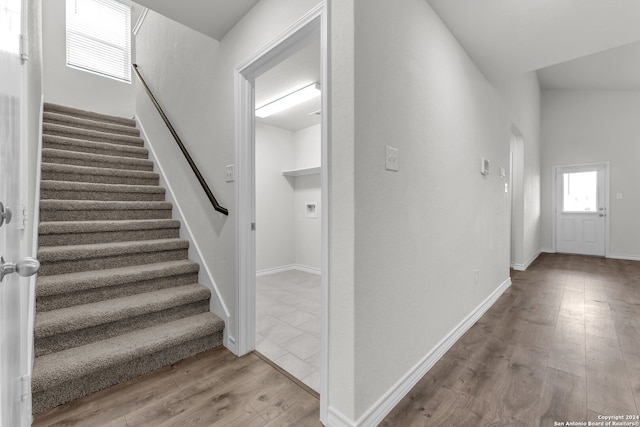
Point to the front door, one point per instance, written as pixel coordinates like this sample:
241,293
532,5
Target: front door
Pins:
14,290
581,209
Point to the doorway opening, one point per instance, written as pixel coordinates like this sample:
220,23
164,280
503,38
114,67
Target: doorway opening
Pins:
581,207
310,29
288,221
516,184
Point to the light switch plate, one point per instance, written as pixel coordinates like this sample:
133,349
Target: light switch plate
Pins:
229,173
484,167
391,159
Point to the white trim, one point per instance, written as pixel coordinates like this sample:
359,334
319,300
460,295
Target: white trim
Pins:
272,53
335,418
205,278
283,268
140,21
624,257
524,266
548,251
383,406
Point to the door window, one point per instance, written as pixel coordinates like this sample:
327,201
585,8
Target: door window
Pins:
580,192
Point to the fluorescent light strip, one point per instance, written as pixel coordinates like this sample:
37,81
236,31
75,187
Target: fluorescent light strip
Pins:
294,98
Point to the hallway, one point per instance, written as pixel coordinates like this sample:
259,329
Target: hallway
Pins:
562,344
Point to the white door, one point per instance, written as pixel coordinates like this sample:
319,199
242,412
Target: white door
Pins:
581,209
14,290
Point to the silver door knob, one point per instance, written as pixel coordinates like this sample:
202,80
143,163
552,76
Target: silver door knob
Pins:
5,214
601,215
25,267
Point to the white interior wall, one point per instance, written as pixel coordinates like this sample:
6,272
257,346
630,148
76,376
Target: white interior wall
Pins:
521,95
589,127
193,79
71,87
285,236
308,230
274,152
421,233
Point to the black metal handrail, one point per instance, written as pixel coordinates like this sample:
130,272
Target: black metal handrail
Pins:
194,168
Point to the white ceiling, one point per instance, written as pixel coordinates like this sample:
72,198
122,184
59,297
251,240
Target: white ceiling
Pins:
295,72
211,17
506,37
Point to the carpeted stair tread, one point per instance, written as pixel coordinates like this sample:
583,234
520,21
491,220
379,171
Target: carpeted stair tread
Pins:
100,250
53,155
90,135
74,282
95,191
59,172
76,227
92,210
87,123
84,316
116,295
61,109
57,368
71,144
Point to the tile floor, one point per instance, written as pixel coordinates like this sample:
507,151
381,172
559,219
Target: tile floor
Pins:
288,312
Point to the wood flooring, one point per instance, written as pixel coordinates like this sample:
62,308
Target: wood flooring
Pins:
561,345
215,388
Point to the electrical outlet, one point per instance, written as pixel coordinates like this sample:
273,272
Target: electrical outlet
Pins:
391,159
476,276
229,173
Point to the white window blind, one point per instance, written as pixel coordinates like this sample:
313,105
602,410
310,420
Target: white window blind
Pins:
99,37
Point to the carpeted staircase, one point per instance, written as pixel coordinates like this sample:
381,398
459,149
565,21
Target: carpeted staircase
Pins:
116,295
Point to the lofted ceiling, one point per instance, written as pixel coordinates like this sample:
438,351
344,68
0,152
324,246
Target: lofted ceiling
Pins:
575,43
213,18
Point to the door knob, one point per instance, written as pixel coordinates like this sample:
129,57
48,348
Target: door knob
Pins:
5,214
25,267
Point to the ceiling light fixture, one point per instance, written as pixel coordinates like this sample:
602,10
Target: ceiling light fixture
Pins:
294,98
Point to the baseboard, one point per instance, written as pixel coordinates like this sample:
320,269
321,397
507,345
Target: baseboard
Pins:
548,251
624,257
523,267
205,278
283,268
336,419
376,413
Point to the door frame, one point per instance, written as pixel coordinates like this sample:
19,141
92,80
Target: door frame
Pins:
288,42
554,201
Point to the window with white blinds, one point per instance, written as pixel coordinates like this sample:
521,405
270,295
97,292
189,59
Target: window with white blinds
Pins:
99,37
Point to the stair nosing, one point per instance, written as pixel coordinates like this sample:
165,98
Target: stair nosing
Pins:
68,319
54,185
90,170
77,112
50,139
59,367
57,117
83,155
54,254
58,284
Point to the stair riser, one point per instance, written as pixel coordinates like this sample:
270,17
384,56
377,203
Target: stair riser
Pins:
111,215
103,293
68,391
98,179
81,114
98,163
95,149
102,196
92,136
92,125
65,239
73,266
86,336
